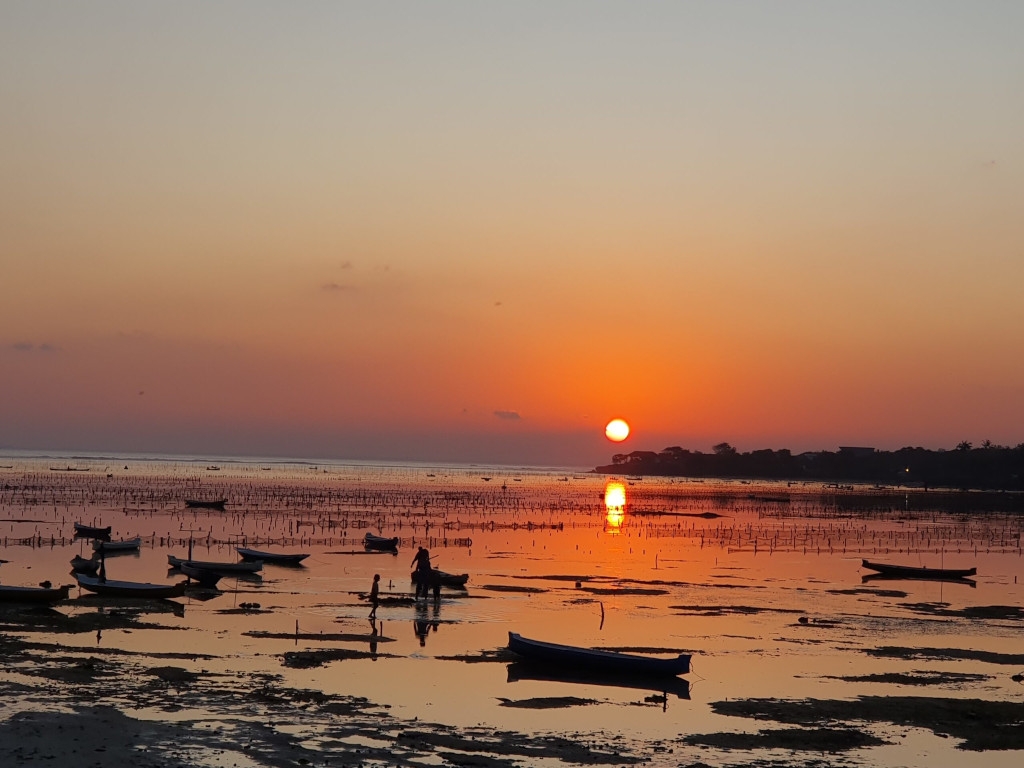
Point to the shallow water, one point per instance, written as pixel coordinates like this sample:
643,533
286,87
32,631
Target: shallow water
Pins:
765,591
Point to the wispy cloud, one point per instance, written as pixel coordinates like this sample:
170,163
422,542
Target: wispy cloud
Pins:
508,415
337,287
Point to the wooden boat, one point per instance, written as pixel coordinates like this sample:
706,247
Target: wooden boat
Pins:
912,572
129,588
245,566
81,564
202,576
869,578
570,657
217,504
276,558
457,581
33,594
370,541
125,545
665,684
91,532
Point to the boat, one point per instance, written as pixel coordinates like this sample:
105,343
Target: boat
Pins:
913,572
664,684
869,578
91,532
81,564
276,558
458,581
570,657
370,541
125,545
33,594
200,504
245,566
129,588
202,576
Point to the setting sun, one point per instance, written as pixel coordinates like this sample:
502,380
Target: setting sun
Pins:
617,430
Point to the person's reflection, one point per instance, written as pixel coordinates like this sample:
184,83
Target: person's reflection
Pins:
373,640
421,625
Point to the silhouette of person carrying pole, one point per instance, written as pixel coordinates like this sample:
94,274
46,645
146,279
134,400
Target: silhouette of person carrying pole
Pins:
423,571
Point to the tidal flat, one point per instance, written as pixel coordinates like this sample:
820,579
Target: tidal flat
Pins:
798,659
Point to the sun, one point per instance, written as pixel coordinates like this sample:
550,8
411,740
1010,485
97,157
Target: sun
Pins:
617,430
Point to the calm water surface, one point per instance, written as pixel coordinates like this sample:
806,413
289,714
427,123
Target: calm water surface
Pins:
761,583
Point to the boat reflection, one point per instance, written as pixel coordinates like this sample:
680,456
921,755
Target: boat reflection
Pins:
875,577
528,670
615,505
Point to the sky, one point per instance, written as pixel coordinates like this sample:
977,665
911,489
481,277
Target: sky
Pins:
475,232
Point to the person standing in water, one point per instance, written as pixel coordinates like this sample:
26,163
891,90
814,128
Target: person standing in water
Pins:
422,572
374,596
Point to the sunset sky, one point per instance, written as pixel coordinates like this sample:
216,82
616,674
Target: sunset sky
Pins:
465,231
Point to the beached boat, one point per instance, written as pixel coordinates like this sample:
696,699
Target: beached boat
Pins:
81,564
573,657
217,504
371,541
458,581
913,572
91,532
245,566
129,588
202,576
33,594
277,558
124,545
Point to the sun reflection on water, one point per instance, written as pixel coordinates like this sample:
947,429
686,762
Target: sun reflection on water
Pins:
615,505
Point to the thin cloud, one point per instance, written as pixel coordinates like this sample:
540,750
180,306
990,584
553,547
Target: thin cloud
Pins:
508,415
337,287
28,346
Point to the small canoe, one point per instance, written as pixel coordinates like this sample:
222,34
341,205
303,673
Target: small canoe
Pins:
912,572
457,581
129,588
574,657
370,541
664,684
124,545
202,576
81,564
33,594
246,566
217,504
91,532
277,558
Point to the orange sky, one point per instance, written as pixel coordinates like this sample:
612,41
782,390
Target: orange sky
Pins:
461,232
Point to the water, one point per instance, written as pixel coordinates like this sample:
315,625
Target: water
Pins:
760,582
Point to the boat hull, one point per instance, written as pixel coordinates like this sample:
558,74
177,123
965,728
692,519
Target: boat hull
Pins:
129,588
456,581
277,558
380,543
33,594
246,566
129,545
91,532
217,504
571,657
911,572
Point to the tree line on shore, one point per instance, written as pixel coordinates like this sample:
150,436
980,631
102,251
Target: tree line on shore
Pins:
988,467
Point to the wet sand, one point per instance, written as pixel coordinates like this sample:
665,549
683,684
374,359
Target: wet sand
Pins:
283,670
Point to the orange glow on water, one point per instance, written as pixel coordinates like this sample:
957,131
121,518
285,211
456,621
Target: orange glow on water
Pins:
615,504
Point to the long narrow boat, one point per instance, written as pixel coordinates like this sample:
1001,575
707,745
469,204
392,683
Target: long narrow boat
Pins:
33,594
217,504
455,580
202,576
380,543
277,558
912,572
91,532
245,566
129,588
573,657
125,545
